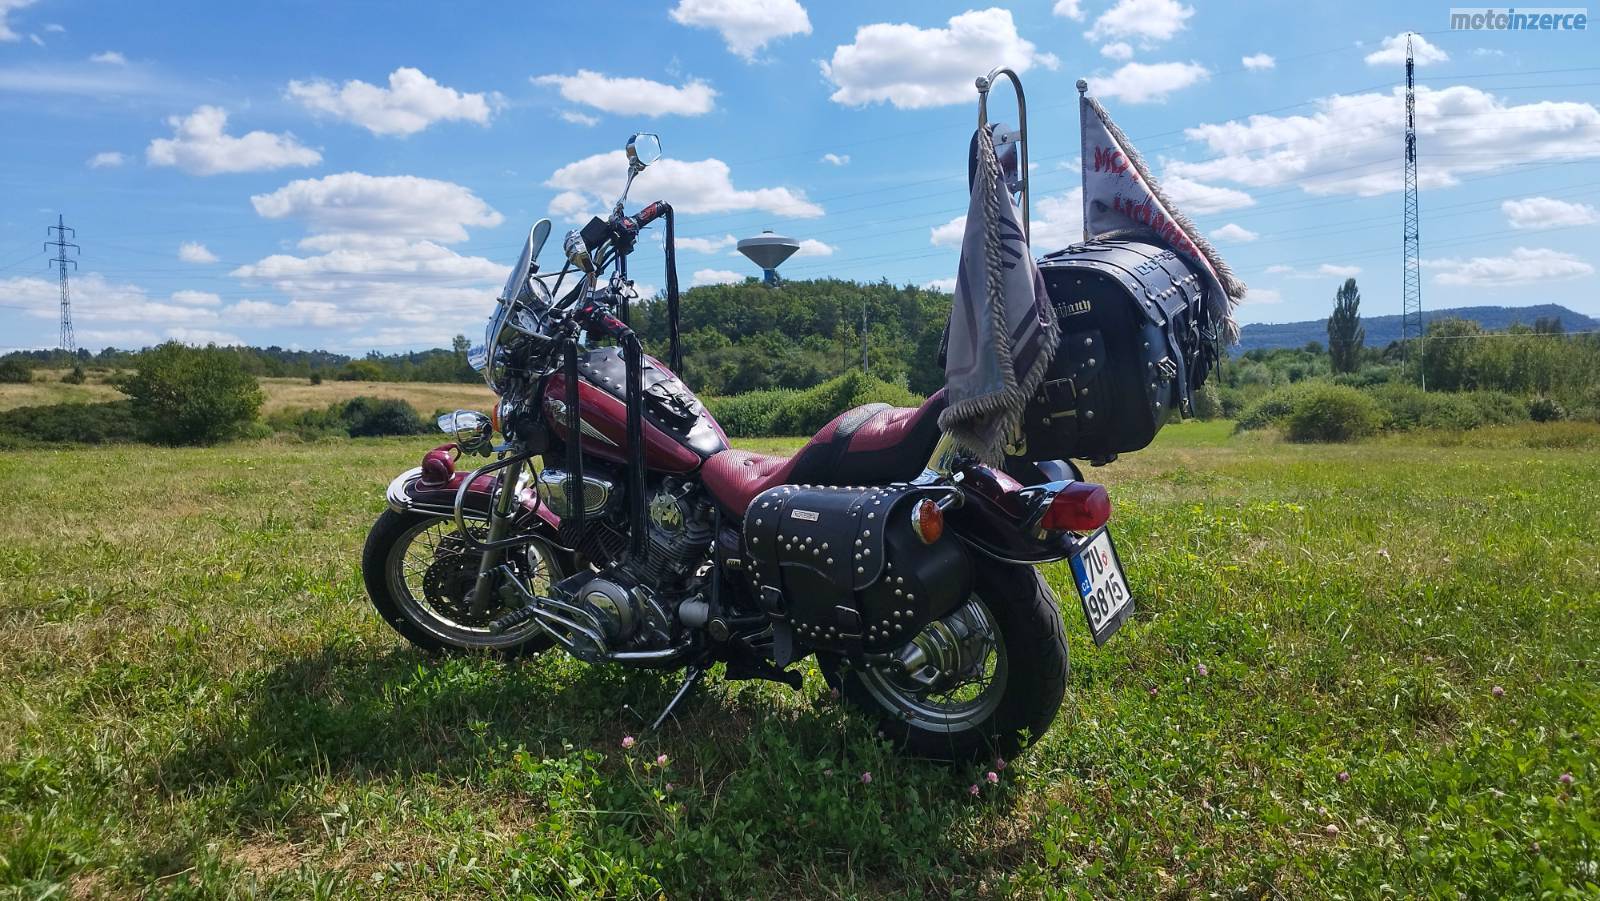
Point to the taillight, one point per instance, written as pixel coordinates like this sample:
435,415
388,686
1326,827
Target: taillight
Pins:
1079,507
927,520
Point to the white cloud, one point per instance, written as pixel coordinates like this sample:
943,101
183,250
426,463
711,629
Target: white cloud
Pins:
390,205
1547,212
948,234
1393,52
97,301
109,58
1068,9
196,298
707,245
811,247
1262,296
1326,270
106,159
1347,144
1524,266
701,186
1148,82
915,68
195,252
947,285
203,336
577,118
633,96
201,146
1236,234
1117,50
746,26
1257,62
836,159
412,102
55,28
319,314
1057,222
1199,199
715,277
1338,271
6,8
1150,21
1487,51
1279,269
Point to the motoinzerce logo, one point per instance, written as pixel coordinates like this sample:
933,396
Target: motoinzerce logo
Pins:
1513,19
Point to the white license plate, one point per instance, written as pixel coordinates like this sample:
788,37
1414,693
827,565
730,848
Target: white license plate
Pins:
1101,586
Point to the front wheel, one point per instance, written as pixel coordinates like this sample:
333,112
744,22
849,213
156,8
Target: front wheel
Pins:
991,675
419,573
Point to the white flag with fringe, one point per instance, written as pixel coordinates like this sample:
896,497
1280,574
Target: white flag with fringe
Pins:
1121,199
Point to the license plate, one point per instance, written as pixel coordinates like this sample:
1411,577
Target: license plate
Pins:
1101,586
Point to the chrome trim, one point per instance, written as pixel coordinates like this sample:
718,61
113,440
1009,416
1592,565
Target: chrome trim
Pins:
551,486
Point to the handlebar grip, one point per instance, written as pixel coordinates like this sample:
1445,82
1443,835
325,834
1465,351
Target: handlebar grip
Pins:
651,213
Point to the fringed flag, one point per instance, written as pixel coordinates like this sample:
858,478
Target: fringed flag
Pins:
1003,331
1121,199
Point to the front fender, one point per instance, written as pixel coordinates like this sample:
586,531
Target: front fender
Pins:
431,489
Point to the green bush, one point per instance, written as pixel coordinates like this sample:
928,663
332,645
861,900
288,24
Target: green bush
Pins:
361,371
15,372
759,414
359,417
368,417
1545,409
101,423
190,395
1272,408
1332,413
316,378
1498,407
1208,403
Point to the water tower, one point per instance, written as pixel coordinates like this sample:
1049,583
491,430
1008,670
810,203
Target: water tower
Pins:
768,251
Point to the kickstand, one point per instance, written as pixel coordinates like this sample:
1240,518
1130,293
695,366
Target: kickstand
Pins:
690,678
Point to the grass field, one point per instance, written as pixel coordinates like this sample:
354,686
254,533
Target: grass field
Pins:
47,388
196,700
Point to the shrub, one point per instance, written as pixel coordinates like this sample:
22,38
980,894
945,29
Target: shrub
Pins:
359,417
1451,411
189,395
361,371
1545,409
1498,407
1332,413
1208,403
100,423
75,376
758,414
316,378
15,372
368,417
1272,408
1232,401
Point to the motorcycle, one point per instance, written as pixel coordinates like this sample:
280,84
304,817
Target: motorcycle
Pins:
616,523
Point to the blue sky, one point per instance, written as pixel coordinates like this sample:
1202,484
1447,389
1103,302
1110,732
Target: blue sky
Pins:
358,176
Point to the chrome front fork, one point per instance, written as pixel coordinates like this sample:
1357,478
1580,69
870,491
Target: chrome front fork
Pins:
500,517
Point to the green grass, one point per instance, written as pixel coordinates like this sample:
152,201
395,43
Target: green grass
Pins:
196,700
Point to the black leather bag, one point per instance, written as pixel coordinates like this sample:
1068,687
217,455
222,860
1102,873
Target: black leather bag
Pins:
1136,341
844,569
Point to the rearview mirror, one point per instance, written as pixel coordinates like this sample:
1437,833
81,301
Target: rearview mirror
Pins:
644,148
473,432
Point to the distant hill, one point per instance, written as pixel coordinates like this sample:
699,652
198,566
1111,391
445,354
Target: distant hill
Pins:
1383,329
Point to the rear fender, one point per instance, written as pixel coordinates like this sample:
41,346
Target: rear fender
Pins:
997,512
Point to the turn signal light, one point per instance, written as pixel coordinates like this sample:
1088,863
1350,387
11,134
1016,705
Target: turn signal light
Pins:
1079,507
927,520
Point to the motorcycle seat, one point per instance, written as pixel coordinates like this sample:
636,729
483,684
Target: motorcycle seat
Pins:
869,445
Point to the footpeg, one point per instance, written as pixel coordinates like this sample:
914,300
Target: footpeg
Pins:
509,621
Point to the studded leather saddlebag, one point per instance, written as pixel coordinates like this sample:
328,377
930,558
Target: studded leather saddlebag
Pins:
1136,341
844,568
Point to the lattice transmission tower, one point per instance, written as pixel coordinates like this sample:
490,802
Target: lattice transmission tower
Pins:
1411,327
60,261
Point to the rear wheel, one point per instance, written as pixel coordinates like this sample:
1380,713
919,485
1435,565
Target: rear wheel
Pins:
419,573
985,677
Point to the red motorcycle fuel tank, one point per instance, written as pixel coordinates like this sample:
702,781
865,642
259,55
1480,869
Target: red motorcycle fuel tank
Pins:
679,433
